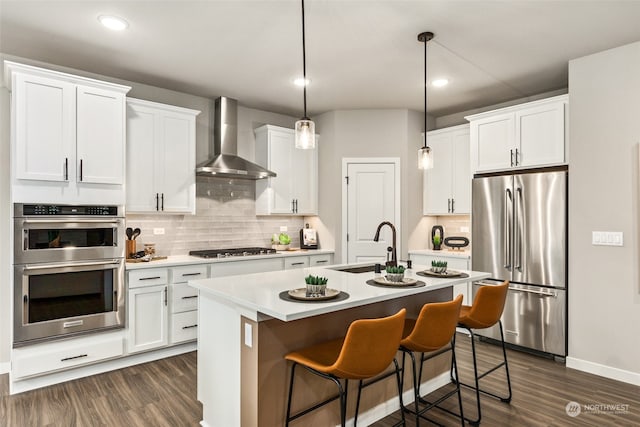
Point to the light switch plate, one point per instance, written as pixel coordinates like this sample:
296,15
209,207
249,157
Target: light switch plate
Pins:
248,338
607,238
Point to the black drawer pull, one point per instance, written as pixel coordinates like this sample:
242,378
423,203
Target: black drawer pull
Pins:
297,263
321,261
191,274
190,326
73,357
191,296
149,278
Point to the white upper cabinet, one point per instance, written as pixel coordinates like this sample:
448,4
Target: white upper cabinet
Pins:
523,136
294,191
68,136
447,186
161,155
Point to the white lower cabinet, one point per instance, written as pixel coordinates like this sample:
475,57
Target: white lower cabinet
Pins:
55,356
148,318
184,326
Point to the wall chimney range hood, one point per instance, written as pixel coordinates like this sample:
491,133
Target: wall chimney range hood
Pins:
225,162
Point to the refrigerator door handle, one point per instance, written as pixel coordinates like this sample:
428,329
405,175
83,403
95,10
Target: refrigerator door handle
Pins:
529,291
508,227
517,229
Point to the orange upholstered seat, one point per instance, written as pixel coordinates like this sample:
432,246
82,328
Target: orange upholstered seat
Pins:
485,312
433,330
368,348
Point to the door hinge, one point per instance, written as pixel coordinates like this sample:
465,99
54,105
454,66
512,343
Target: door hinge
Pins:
347,178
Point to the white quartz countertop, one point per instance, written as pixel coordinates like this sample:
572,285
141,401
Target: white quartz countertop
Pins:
259,292
178,260
451,253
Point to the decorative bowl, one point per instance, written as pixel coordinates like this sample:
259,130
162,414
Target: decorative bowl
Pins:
395,277
279,247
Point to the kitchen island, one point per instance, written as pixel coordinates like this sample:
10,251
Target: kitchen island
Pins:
245,329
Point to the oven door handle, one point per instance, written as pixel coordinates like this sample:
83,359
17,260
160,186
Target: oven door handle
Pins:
74,264
74,220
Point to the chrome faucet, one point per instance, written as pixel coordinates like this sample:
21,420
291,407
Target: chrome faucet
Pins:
394,257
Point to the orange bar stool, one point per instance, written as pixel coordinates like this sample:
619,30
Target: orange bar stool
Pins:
485,312
431,334
365,352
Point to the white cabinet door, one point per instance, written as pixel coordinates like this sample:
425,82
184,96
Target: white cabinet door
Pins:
160,158
437,181
141,138
447,186
44,128
100,136
492,143
461,176
294,191
540,135
148,318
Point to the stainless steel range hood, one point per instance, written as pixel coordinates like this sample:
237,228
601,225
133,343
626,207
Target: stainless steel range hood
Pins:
225,162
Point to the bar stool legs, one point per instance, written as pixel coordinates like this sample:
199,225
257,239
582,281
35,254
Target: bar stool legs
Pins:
477,377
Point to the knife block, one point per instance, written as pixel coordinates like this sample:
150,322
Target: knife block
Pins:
130,248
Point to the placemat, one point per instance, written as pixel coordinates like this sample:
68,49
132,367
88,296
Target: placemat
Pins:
427,273
418,284
284,295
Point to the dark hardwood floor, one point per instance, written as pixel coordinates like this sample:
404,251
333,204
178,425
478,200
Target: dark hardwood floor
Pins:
163,393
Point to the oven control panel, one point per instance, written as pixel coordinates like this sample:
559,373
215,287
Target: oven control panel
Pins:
69,210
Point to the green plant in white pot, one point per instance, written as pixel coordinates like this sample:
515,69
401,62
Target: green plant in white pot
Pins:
395,274
316,285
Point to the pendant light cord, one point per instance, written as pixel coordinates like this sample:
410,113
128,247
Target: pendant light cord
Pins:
425,92
304,67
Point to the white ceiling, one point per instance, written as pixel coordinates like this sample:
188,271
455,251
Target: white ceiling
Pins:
360,53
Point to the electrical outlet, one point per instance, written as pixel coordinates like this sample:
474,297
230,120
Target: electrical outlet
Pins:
158,231
283,228
248,338
464,229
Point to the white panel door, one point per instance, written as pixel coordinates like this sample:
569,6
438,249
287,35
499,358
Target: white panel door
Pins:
100,136
178,168
148,318
437,180
45,128
371,199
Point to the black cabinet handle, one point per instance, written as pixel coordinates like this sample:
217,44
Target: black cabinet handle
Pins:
297,263
73,357
66,169
157,202
149,278
80,169
453,208
190,274
321,261
190,326
165,295
191,296
162,197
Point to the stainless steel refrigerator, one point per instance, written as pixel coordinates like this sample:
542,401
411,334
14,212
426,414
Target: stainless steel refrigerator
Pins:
519,233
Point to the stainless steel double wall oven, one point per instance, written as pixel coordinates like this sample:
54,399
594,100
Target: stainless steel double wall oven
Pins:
68,271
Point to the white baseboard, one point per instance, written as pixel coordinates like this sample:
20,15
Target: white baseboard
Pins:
5,367
98,368
392,405
603,370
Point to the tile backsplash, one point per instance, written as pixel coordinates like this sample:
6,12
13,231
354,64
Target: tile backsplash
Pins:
454,225
225,218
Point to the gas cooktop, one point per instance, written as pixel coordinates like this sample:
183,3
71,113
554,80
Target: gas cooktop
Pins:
231,252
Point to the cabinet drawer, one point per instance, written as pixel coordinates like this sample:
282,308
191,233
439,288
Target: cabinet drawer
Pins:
148,277
183,298
188,272
319,260
296,262
245,267
45,358
184,326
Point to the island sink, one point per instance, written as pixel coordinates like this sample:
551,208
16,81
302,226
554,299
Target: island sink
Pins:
356,268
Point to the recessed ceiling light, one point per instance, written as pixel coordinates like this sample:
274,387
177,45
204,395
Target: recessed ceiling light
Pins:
301,82
440,82
113,22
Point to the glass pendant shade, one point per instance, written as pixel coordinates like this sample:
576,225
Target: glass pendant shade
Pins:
425,158
305,134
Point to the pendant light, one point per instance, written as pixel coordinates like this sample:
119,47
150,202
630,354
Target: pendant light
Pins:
305,129
425,155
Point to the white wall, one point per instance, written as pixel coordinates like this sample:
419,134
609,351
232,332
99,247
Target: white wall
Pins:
604,291
367,133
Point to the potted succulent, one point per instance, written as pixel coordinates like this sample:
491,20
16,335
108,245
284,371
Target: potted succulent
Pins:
395,274
439,267
316,285
280,242
436,242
